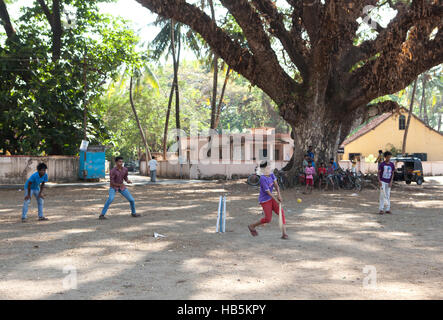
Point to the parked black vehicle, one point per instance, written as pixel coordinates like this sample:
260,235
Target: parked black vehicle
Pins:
132,166
408,169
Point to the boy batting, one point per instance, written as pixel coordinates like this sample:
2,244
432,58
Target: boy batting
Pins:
268,202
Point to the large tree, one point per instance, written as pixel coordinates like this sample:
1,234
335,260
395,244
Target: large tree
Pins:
335,77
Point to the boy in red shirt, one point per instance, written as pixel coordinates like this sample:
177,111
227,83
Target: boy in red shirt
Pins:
321,174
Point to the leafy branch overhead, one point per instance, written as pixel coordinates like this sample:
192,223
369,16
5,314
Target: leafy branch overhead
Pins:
335,75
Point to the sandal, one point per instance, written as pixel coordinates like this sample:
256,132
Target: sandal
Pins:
285,237
388,212
380,212
253,231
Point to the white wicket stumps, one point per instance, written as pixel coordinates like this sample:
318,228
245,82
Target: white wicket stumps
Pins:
221,216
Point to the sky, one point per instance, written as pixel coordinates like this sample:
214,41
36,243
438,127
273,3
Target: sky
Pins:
128,9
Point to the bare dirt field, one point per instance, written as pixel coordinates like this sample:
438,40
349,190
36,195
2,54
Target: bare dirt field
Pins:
334,239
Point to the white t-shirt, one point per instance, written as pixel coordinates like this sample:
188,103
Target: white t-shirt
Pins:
152,164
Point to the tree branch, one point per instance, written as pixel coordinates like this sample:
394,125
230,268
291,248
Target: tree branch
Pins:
56,30
252,27
406,54
396,31
237,57
6,21
278,29
47,12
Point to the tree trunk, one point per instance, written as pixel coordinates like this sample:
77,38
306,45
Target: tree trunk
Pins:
56,31
168,112
175,66
222,94
214,92
142,134
423,99
439,122
174,89
403,148
4,16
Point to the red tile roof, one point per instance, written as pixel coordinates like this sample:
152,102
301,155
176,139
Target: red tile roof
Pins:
371,125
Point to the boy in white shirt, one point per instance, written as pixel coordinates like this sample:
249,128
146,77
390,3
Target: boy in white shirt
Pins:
153,169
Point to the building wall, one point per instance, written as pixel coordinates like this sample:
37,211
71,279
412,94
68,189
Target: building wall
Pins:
430,168
17,169
420,140
167,169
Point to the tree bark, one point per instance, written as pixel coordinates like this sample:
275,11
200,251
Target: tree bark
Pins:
423,99
405,136
4,16
214,91
215,74
439,122
142,133
168,112
54,19
222,94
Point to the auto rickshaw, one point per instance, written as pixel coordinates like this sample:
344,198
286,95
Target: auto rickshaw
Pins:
408,169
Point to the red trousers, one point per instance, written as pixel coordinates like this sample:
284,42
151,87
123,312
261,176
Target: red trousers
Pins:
268,207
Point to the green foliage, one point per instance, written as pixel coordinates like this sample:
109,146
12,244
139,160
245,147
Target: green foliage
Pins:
41,100
243,107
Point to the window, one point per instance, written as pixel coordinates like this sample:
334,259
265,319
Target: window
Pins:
402,123
277,155
263,155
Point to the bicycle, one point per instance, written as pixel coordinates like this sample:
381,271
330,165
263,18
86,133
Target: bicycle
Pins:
254,179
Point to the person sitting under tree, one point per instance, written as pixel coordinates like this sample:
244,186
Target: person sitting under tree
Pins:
321,174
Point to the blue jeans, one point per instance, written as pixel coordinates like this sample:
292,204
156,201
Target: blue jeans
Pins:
153,175
40,202
125,193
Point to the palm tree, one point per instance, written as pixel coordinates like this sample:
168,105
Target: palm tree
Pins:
169,40
142,74
403,148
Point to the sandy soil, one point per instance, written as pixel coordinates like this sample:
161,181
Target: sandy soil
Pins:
333,237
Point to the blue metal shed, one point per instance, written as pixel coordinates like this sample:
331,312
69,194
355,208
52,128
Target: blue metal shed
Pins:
92,163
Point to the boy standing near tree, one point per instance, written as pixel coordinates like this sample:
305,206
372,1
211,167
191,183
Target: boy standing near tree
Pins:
34,187
385,177
153,169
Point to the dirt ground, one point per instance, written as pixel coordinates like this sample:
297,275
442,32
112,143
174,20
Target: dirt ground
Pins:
337,241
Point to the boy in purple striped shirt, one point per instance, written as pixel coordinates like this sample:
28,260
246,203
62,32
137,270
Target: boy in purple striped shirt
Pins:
268,202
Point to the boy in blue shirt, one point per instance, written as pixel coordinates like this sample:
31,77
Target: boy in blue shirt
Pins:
34,186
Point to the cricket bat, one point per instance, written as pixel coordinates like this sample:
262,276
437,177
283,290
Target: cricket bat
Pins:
280,217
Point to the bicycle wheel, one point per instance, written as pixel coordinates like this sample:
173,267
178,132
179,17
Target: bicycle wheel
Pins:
358,184
281,183
254,180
